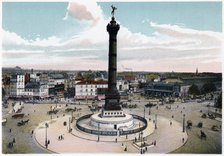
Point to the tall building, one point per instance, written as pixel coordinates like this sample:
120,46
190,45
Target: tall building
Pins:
17,85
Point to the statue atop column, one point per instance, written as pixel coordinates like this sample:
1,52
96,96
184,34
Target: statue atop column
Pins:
113,9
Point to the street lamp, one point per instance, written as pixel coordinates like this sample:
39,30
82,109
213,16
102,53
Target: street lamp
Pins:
141,138
144,112
51,112
98,132
139,132
183,123
72,115
69,126
155,121
46,143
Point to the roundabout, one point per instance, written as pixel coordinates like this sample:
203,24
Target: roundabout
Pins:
168,138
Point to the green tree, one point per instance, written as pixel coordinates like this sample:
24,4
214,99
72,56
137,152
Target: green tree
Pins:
208,88
152,77
194,90
3,93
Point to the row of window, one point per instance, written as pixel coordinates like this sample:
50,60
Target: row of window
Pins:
86,94
92,86
87,90
113,113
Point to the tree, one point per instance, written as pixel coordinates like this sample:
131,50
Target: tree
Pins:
194,90
218,102
3,93
208,88
152,77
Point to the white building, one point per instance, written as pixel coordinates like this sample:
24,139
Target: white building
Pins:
122,85
17,85
184,90
36,90
88,90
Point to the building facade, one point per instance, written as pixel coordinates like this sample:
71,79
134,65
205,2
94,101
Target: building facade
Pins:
88,89
162,90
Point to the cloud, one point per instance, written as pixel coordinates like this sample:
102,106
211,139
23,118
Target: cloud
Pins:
84,10
169,47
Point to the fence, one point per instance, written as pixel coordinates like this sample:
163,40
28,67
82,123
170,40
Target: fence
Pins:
111,133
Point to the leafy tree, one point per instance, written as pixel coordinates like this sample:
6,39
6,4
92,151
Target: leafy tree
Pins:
79,75
3,92
152,77
194,90
89,76
208,88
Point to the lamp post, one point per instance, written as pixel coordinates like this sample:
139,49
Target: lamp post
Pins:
141,138
183,123
46,143
144,112
98,132
155,121
139,132
51,112
86,92
69,126
72,116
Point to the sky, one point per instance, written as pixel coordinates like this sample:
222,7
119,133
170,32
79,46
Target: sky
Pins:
153,36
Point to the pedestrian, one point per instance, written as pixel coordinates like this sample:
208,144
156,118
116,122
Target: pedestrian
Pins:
183,140
170,123
122,144
32,132
116,140
14,140
172,116
146,148
59,137
125,149
135,139
141,151
48,142
155,143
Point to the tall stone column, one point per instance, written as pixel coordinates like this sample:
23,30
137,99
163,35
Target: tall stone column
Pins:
112,95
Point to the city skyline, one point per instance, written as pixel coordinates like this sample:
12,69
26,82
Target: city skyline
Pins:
72,36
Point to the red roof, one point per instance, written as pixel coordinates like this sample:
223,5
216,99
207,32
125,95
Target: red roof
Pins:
129,78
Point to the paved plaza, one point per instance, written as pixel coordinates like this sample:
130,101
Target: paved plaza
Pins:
169,138
73,142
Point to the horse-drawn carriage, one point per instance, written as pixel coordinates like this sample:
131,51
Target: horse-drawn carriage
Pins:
21,123
203,135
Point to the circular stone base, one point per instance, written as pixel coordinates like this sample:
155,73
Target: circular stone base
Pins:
111,122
